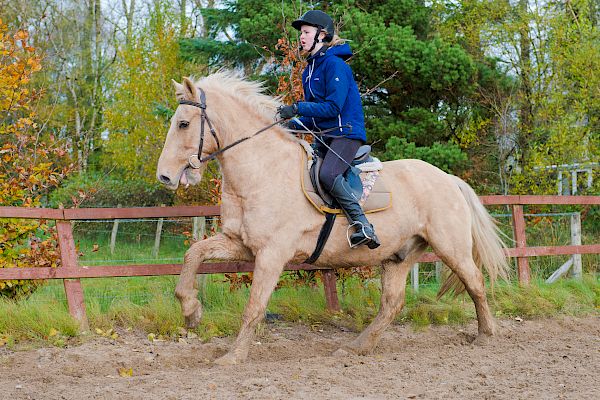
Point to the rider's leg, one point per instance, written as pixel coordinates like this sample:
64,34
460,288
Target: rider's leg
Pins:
332,178
332,166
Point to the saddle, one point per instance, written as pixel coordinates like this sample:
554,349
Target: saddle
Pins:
374,195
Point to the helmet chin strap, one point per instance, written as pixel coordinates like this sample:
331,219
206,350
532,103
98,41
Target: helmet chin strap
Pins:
316,39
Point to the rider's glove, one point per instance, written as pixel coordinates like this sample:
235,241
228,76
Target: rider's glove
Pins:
288,111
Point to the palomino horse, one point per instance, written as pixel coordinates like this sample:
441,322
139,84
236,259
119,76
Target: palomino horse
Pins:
267,219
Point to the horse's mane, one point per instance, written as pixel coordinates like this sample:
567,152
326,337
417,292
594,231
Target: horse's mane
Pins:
248,92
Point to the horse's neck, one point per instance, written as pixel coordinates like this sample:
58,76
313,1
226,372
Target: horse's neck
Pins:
260,165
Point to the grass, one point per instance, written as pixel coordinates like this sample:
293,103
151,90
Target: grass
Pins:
147,304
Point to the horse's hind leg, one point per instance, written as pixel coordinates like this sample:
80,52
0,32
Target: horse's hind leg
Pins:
220,247
393,285
457,255
472,278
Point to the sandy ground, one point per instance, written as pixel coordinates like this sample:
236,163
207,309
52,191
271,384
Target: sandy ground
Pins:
541,359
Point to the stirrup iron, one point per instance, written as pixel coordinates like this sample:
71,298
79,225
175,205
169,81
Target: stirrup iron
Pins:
366,239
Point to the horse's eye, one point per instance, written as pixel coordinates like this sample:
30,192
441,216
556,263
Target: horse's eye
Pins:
183,124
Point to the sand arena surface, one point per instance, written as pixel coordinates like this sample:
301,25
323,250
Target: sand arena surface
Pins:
540,359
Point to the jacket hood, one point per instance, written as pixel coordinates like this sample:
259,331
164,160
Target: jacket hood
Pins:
342,51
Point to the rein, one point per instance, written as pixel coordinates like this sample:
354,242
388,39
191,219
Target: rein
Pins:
204,117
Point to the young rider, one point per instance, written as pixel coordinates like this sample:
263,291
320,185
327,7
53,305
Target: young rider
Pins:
332,100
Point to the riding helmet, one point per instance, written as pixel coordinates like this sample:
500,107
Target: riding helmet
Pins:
318,19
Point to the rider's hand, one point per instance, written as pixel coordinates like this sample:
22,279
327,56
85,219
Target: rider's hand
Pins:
288,111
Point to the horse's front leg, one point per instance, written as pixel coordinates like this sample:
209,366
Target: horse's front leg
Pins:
221,247
269,264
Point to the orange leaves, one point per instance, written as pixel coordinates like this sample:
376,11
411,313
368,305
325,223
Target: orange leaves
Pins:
290,86
215,191
236,281
28,167
21,35
17,62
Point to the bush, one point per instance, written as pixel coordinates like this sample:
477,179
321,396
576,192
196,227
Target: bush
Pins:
29,166
447,157
94,189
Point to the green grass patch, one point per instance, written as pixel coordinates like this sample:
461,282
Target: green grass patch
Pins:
148,304
423,309
568,297
36,323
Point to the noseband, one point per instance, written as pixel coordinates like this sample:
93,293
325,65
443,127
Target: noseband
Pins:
203,118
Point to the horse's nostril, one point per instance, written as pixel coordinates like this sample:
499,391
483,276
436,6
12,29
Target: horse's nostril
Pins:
164,179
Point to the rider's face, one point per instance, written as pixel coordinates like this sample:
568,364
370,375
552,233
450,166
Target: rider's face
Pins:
307,36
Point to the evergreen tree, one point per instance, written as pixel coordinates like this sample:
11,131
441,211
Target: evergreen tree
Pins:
415,85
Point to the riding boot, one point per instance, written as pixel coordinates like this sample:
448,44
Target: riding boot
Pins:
365,233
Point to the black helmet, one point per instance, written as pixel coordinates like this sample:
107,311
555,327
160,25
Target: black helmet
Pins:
318,19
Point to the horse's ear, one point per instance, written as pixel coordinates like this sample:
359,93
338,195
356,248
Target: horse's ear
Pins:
190,90
179,92
178,86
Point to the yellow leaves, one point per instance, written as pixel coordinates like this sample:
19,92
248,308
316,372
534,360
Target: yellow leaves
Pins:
155,338
4,340
21,35
56,338
125,372
109,333
17,63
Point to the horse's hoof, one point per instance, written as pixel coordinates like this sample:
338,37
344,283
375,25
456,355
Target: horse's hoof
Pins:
227,359
192,320
482,340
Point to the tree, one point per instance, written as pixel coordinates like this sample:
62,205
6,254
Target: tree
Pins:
544,110
29,168
413,84
77,44
136,116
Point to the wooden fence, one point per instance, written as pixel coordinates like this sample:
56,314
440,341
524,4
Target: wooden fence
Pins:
71,271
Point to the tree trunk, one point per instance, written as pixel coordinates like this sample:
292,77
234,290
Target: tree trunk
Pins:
526,107
183,18
129,12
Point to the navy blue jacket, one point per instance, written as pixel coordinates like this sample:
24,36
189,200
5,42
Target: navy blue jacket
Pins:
331,97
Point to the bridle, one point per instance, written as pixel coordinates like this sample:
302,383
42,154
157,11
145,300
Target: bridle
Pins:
204,118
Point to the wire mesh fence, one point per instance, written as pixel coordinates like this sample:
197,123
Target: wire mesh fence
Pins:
165,240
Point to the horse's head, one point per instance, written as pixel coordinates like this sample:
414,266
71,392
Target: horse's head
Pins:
178,162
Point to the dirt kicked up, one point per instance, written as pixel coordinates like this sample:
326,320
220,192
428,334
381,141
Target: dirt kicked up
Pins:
540,359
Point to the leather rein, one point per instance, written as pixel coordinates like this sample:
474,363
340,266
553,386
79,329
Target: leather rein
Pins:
204,118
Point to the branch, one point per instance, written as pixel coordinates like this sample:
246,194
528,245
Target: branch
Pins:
369,91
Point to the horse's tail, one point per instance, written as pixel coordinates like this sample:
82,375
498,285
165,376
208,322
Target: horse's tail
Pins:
488,247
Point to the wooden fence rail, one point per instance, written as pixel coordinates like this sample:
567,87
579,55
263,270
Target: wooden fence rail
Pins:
71,271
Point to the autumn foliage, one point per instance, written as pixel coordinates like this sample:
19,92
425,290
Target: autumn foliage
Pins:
29,164
290,85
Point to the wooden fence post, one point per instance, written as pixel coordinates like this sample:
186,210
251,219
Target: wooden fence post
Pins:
159,226
113,234
331,297
519,230
68,258
414,277
438,271
198,231
576,240
215,224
